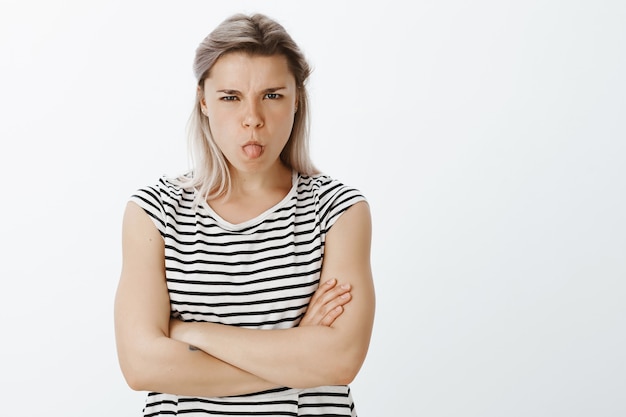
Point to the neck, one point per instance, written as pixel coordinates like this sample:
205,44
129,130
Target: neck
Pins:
251,183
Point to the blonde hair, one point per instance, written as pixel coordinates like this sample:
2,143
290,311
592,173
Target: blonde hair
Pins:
256,35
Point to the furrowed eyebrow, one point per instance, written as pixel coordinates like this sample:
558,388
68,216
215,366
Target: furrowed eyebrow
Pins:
229,92
273,89
236,92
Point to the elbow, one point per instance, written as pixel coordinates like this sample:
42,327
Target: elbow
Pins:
133,376
347,358
351,361
342,370
140,364
135,383
136,368
346,373
332,374
346,367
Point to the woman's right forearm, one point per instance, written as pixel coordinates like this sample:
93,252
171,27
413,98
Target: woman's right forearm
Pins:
168,366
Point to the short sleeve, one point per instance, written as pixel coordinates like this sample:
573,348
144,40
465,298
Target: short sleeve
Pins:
335,199
151,200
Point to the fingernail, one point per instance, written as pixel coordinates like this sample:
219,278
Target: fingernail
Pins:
346,286
330,281
346,295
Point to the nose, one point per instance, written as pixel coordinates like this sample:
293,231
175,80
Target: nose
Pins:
253,116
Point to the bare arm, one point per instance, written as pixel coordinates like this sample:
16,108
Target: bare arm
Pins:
149,359
307,356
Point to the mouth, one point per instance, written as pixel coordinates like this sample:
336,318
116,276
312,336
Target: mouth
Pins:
253,149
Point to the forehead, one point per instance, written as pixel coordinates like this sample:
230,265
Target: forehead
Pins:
244,68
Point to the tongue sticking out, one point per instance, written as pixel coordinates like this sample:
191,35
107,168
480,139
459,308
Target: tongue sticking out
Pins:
253,151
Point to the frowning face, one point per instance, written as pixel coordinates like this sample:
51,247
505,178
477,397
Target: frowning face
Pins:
250,101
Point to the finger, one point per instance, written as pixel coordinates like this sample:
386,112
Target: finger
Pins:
328,296
322,289
336,297
332,315
332,310
339,301
331,295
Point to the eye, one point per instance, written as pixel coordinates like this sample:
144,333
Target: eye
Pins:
273,96
228,98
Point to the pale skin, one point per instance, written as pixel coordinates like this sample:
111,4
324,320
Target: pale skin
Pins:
250,102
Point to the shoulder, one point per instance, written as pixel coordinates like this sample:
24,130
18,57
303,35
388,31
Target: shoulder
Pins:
326,187
332,196
163,200
165,191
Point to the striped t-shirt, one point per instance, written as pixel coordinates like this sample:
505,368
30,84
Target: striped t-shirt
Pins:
258,274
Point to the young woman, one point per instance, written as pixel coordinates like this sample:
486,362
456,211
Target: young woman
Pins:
246,285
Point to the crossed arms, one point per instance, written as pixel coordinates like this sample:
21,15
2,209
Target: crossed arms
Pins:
327,348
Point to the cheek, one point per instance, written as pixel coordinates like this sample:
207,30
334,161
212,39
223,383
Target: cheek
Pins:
289,123
284,118
220,137
220,122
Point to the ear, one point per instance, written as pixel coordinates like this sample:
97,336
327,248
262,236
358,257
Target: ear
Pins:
200,96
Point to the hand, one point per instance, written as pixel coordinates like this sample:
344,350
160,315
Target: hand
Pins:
326,304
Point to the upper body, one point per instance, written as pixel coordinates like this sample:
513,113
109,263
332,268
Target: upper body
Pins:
249,134
259,274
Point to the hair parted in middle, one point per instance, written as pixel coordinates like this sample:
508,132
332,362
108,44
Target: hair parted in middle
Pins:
256,34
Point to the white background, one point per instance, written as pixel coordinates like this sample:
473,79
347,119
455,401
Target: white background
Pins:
488,136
